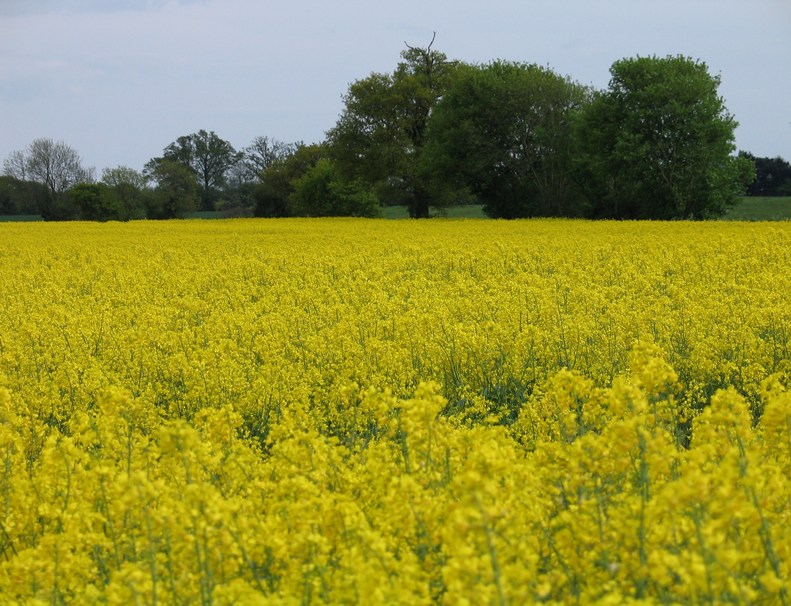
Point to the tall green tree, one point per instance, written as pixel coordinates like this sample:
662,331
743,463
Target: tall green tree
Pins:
176,191
659,143
381,133
504,130
208,156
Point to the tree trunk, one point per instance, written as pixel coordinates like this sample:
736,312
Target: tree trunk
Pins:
419,205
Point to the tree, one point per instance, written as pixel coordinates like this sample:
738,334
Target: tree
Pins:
55,165
176,191
207,156
381,133
123,175
19,197
273,195
658,143
129,187
263,152
772,176
321,192
244,177
505,131
96,201
16,165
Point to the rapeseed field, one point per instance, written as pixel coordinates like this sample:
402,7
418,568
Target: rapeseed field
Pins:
352,411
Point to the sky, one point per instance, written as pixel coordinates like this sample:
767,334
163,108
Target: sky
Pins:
118,80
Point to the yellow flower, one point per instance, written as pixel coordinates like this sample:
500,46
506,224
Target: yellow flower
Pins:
350,411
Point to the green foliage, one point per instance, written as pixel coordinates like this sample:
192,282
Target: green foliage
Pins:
95,201
658,143
321,192
57,167
517,139
58,206
238,199
123,175
20,218
773,176
129,187
18,197
504,131
273,195
380,136
208,157
176,191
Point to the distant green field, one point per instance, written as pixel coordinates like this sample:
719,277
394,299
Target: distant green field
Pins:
20,218
468,211
761,209
203,214
748,209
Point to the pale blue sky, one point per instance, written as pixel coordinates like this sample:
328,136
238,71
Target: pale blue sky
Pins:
119,80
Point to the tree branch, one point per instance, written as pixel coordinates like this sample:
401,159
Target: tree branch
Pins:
420,50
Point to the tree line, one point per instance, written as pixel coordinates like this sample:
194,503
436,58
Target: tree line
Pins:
518,138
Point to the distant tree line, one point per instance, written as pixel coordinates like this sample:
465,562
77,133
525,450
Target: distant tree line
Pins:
518,138
772,176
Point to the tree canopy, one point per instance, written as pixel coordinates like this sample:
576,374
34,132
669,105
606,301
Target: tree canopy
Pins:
658,143
321,192
381,132
504,131
95,201
20,197
273,195
176,192
55,165
208,156
524,141
129,188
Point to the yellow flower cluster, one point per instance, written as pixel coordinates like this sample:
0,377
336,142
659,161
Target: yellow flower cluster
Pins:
351,411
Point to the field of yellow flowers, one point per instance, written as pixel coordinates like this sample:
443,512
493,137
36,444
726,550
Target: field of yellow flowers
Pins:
352,411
